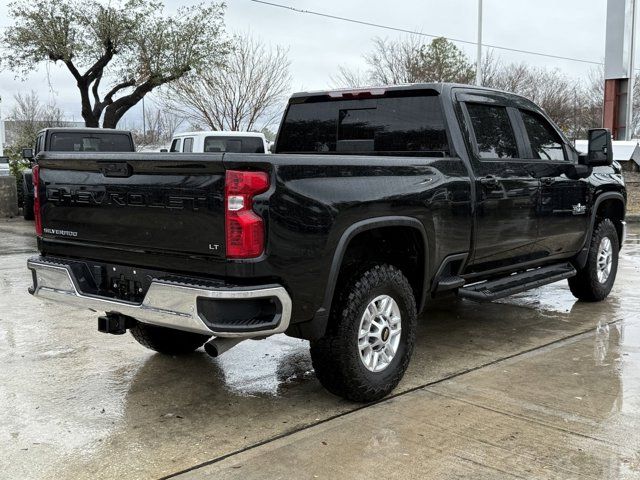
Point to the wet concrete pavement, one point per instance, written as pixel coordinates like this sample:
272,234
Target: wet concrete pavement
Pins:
536,386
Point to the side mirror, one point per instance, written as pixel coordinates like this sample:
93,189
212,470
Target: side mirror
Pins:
27,153
600,149
164,150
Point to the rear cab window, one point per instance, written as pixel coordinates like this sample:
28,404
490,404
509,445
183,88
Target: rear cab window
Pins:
187,146
233,144
89,142
391,125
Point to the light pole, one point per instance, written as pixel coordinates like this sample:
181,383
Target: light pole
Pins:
628,130
1,131
479,53
144,123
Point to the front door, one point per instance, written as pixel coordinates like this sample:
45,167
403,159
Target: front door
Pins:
563,212
506,223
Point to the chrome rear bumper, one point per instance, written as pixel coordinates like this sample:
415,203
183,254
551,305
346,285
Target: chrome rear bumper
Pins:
167,304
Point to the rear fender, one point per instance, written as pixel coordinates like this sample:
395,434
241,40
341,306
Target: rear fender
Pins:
321,317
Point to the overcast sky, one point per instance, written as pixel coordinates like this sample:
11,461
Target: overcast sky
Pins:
317,45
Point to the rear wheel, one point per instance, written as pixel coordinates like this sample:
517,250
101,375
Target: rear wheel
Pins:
167,340
370,338
595,281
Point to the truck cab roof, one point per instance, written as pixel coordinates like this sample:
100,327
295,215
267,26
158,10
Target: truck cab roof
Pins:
380,90
83,130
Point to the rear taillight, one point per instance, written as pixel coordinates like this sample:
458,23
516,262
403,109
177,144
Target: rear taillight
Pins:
36,200
244,229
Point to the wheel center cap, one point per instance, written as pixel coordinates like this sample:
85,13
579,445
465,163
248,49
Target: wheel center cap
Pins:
385,334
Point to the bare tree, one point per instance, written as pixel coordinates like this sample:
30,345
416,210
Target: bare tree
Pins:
159,127
409,60
247,93
350,78
28,116
490,68
131,44
394,61
556,93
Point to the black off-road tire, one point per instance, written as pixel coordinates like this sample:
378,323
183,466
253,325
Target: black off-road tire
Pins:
585,285
167,340
336,356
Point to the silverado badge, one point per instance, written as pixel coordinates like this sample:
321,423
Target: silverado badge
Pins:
579,209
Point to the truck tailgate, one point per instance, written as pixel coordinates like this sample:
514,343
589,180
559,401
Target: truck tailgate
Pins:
146,202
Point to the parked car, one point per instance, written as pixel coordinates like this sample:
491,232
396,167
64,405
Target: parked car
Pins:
61,139
375,202
219,141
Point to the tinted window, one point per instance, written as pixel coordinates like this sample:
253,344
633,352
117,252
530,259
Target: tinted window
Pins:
545,141
493,131
188,145
398,125
89,142
175,145
234,144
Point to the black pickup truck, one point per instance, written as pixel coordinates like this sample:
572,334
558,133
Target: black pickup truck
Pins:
69,139
375,202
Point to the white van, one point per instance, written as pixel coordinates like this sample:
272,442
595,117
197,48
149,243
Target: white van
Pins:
219,141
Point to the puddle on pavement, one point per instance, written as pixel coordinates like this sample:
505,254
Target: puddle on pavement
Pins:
264,367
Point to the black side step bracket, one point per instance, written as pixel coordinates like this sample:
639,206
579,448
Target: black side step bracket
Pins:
517,282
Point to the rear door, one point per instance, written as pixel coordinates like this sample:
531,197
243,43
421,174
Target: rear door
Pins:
563,202
506,224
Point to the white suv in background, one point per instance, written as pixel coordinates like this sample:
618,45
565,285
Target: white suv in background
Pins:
219,141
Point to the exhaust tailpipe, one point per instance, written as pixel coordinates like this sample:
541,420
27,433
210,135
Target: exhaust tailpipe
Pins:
217,346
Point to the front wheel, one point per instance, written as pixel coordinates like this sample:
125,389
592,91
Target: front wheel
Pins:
595,280
370,336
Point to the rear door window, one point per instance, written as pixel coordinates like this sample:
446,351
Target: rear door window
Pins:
493,131
408,125
89,142
234,144
187,146
545,142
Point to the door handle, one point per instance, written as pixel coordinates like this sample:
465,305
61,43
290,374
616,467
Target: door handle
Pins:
547,180
490,181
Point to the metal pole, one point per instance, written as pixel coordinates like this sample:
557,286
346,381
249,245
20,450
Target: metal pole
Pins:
144,122
479,53
1,130
628,130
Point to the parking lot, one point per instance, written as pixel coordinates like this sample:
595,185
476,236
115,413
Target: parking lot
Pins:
535,386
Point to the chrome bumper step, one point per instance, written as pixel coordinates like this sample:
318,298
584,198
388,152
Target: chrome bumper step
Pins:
166,303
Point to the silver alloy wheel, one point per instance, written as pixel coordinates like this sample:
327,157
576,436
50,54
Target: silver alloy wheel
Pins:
379,333
605,259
